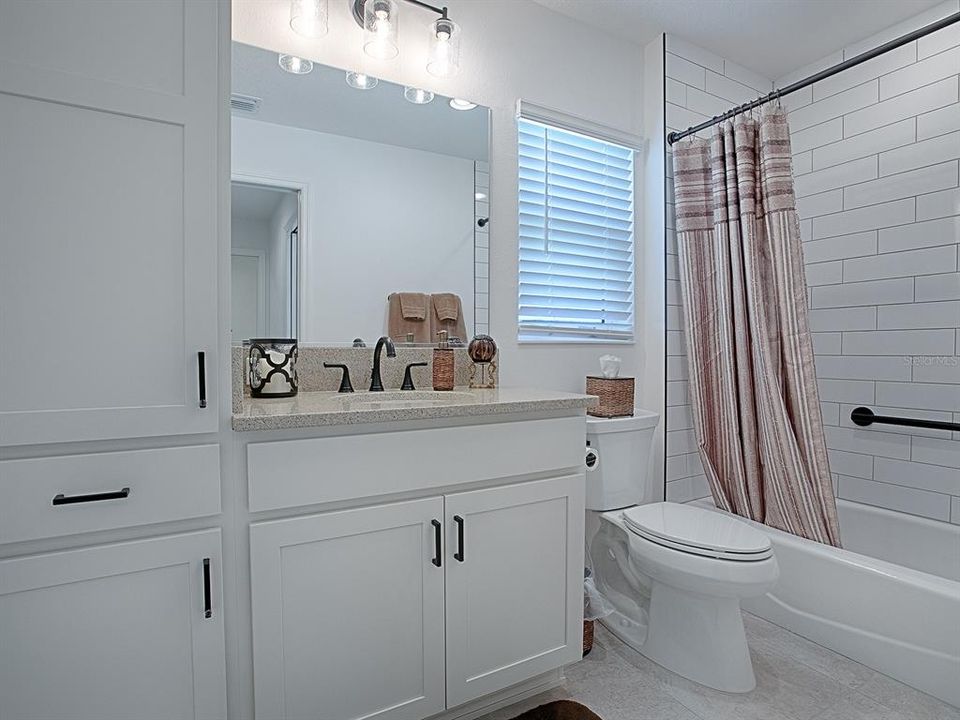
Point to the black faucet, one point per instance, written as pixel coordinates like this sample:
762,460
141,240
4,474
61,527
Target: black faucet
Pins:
376,383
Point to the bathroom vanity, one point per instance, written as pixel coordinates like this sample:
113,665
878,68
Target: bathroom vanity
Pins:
397,570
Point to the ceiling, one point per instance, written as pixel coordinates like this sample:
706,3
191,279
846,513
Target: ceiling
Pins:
770,37
321,100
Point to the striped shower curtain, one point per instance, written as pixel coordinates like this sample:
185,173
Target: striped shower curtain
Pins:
756,409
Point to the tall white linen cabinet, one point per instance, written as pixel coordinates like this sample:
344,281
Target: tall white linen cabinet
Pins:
110,549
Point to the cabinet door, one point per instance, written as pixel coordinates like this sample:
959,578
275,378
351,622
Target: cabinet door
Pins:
114,631
348,614
108,200
514,582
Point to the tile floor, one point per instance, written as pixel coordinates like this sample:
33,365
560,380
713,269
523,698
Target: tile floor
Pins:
796,680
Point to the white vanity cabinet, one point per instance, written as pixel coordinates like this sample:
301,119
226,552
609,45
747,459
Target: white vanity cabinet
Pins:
114,632
108,200
514,584
404,609
348,614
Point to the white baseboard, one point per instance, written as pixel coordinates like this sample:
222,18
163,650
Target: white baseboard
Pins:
497,700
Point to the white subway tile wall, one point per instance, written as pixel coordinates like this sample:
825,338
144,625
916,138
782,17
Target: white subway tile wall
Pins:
481,250
884,137
700,85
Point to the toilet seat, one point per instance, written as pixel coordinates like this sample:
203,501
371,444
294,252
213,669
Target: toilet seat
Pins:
696,531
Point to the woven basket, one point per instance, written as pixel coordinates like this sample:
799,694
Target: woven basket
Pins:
587,636
616,396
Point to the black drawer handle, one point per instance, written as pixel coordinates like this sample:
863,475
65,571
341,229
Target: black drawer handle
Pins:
207,600
202,377
437,540
458,555
62,499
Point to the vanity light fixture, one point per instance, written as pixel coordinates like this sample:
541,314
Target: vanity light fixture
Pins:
418,96
295,65
379,19
361,81
380,29
309,17
461,104
444,58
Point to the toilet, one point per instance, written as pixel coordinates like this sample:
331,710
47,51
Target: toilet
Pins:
674,573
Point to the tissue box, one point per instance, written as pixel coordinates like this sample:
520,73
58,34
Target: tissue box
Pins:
616,396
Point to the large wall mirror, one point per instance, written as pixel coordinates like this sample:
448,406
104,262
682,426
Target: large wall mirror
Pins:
352,207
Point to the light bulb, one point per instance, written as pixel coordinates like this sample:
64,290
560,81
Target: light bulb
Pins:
309,17
444,57
360,81
295,65
461,104
380,29
417,96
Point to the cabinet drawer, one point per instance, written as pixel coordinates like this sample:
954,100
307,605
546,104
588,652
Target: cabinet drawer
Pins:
292,473
48,497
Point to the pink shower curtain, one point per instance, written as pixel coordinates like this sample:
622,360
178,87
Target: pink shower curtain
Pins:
753,388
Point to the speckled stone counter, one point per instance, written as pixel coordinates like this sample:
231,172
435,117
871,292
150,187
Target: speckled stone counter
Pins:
326,409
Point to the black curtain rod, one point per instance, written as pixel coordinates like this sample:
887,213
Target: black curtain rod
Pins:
816,77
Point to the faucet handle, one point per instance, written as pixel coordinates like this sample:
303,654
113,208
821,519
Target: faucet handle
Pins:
345,386
407,378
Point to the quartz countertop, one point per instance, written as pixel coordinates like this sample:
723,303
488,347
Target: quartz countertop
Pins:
326,409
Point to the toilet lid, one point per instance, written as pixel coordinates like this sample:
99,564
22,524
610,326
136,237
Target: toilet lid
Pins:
686,527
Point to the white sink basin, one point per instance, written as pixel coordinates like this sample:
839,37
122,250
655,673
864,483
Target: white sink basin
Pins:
404,399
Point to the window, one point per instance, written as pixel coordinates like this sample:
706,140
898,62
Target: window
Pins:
576,236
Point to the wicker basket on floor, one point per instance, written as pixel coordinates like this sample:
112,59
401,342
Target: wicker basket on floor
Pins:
587,637
616,396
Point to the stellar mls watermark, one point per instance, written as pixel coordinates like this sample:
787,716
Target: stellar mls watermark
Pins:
931,360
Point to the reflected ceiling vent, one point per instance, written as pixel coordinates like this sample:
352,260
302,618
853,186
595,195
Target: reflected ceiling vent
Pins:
244,103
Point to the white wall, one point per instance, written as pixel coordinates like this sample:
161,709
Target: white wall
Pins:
877,163
377,219
511,49
699,85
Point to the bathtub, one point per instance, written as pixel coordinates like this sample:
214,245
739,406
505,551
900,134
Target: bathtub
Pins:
889,600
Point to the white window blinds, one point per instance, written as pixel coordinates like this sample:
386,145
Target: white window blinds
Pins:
576,235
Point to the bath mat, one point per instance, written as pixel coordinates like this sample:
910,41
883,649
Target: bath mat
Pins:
559,710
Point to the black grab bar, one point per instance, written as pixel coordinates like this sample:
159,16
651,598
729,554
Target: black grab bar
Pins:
865,416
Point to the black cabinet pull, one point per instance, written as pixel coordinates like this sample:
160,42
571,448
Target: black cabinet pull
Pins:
62,499
207,601
458,555
437,540
202,379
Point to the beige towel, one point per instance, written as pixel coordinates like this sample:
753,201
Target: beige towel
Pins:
447,315
398,326
413,305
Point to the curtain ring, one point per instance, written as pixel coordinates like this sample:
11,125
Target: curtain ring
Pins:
778,99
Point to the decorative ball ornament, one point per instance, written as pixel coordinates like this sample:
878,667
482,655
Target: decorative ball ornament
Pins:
482,348
483,373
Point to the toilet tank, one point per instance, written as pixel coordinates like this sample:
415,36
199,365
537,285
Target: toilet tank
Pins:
618,459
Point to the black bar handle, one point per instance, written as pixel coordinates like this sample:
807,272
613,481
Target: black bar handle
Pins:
437,540
207,599
865,416
202,377
62,499
458,555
